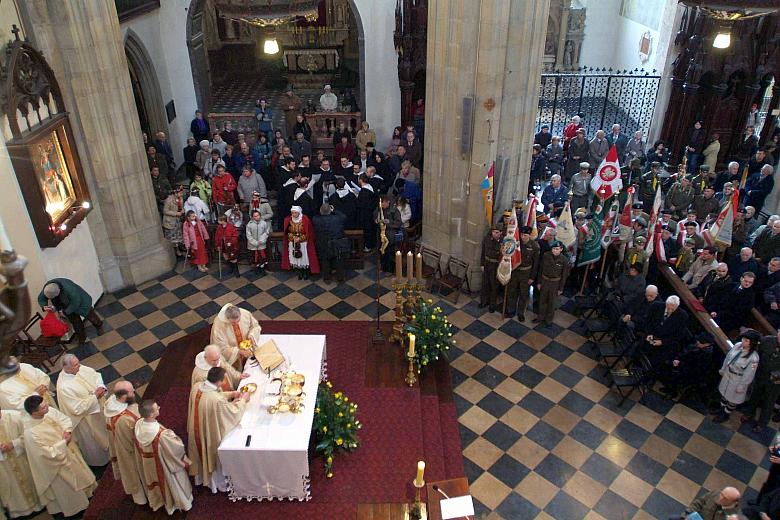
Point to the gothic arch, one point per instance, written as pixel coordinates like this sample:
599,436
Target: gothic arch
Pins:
146,88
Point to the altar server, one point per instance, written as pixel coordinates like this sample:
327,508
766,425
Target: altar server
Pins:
121,411
163,462
231,326
17,490
62,479
212,415
212,357
82,392
25,381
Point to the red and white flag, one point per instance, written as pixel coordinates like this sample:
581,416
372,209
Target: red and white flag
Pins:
660,250
530,217
657,203
720,231
510,251
607,180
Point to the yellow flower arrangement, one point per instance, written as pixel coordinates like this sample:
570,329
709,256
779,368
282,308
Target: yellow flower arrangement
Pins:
335,425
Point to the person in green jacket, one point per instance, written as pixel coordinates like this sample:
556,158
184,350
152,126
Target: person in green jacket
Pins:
64,296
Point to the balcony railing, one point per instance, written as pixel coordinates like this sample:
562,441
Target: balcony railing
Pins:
128,9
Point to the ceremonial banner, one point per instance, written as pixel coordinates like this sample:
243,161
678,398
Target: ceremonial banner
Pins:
721,230
607,180
658,244
591,248
657,203
744,178
487,194
510,252
564,230
625,217
611,223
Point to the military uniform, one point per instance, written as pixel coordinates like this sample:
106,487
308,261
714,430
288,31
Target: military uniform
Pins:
679,198
636,254
685,258
766,389
553,272
518,287
491,254
647,188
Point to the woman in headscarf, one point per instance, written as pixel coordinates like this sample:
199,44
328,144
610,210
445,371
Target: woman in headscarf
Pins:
298,235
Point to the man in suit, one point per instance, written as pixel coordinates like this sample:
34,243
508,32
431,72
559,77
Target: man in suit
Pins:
598,149
619,140
732,309
758,186
665,330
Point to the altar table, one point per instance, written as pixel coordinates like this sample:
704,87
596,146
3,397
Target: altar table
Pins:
276,462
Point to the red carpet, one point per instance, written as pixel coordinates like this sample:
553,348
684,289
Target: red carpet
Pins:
401,426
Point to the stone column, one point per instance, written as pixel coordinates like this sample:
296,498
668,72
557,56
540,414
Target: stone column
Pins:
491,49
82,42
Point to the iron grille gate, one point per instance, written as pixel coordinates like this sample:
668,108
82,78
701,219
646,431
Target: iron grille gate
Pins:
602,97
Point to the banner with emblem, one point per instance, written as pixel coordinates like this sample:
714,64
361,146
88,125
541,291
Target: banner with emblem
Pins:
591,246
510,252
657,203
607,180
610,229
530,216
564,229
720,232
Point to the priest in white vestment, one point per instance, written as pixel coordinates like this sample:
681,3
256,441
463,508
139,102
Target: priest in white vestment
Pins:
328,100
212,414
62,479
212,357
81,392
163,462
26,381
17,490
121,412
231,326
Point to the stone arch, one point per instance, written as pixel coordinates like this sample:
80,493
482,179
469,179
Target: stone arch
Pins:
146,88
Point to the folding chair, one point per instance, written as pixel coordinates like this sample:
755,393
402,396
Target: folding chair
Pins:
598,329
620,348
40,351
636,375
456,275
431,266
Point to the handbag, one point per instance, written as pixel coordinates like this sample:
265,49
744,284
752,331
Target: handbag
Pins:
52,326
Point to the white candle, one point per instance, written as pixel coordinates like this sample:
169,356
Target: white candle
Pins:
5,242
420,472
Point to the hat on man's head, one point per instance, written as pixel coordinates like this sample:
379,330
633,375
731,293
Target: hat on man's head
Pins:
637,205
704,167
51,290
558,205
541,218
526,230
666,212
655,164
556,243
538,147
584,165
580,213
641,239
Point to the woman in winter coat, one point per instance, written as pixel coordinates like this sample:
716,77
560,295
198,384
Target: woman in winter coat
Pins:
737,373
257,232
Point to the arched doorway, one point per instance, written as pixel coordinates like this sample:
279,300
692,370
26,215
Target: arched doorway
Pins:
146,88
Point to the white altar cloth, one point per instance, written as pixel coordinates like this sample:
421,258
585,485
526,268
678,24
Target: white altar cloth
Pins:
276,462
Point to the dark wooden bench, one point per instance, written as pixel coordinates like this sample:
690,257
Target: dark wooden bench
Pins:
275,244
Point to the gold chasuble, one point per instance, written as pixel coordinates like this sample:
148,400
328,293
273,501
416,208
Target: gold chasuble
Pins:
16,388
17,490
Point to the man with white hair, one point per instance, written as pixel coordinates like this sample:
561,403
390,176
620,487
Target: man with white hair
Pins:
68,298
554,192
25,381
598,149
328,100
212,357
81,391
635,149
121,412
715,505
767,243
619,140
742,263
232,326
731,174
665,330
759,186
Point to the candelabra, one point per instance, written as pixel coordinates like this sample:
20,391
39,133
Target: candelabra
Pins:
411,376
400,315
418,511
14,301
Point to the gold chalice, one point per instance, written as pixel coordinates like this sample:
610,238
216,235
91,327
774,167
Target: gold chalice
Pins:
298,379
249,388
294,390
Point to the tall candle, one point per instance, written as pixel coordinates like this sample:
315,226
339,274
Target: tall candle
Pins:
419,268
412,339
420,472
409,266
398,267
5,242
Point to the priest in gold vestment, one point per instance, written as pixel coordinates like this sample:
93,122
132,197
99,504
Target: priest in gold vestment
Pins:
163,462
81,392
212,415
121,412
231,326
17,490
62,479
24,382
212,357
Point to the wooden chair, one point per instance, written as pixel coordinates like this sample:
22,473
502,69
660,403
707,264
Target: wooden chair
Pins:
410,241
39,351
431,266
456,275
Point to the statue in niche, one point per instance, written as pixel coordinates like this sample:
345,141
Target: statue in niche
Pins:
568,55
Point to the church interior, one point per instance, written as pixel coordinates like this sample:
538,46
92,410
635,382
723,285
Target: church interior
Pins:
390,259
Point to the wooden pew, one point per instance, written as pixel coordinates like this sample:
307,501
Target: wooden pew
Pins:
757,321
686,296
275,243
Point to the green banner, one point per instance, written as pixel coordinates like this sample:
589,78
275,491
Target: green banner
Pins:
591,247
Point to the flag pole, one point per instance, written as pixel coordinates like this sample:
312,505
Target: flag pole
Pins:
506,296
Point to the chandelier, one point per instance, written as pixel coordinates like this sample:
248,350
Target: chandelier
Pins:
268,13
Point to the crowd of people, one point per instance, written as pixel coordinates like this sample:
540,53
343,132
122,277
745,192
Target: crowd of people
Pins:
236,188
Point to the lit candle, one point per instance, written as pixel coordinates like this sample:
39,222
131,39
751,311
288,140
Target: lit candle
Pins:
420,472
412,339
5,242
419,268
398,267
410,266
